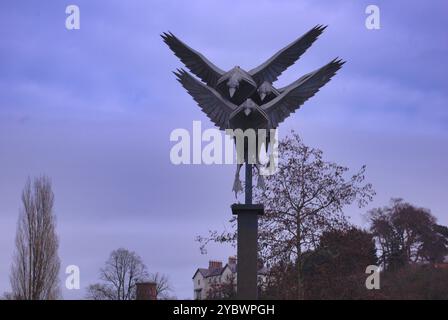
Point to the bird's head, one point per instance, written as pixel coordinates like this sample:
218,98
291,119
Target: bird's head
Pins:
233,83
264,90
236,84
249,106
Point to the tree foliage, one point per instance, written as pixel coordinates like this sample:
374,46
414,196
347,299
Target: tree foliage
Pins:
335,269
303,199
407,234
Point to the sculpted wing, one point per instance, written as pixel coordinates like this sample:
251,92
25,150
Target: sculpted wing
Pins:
273,68
193,60
211,102
291,85
301,90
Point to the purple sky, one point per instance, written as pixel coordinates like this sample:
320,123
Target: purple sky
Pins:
93,109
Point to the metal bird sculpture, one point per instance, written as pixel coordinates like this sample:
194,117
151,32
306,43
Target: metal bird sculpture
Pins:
237,84
247,100
226,115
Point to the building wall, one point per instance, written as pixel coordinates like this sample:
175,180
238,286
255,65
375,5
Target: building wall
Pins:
204,284
198,283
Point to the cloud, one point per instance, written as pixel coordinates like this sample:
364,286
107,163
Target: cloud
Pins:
94,109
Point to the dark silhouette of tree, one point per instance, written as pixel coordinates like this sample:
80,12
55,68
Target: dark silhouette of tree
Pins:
435,246
35,268
304,198
414,282
281,282
336,268
163,286
122,271
407,234
120,274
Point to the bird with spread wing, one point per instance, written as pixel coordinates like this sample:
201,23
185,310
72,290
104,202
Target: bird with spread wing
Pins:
227,115
247,100
237,84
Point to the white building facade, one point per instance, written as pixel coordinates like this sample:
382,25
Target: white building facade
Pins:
214,280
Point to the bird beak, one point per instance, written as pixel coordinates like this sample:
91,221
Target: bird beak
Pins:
232,92
262,96
247,111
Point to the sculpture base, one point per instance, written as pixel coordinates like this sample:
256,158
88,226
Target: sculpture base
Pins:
247,255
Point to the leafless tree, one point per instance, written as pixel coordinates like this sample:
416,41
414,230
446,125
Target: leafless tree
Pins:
7,296
101,291
35,268
163,286
122,271
304,198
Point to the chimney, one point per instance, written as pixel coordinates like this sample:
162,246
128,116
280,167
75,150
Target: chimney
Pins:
213,265
232,261
146,291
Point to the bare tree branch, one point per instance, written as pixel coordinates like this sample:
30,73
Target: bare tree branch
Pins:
302,200
35,268
120,274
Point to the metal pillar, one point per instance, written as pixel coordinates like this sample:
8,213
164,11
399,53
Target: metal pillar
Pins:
248,185
247,255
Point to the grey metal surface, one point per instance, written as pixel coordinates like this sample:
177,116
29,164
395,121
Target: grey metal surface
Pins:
249,181
247,247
